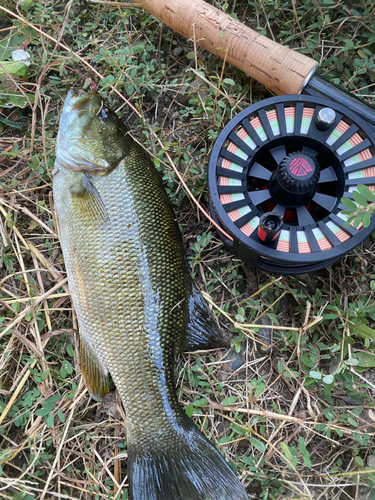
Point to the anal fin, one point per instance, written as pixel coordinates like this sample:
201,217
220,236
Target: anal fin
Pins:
203,331
94,376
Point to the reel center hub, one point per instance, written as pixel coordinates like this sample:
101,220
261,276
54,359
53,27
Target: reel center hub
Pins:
299,167
294,182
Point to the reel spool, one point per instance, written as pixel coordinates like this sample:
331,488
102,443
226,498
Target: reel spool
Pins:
276,176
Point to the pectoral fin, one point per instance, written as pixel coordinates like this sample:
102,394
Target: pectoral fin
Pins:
203,331
95,377
88,200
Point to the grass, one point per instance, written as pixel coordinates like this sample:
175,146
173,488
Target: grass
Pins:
296,419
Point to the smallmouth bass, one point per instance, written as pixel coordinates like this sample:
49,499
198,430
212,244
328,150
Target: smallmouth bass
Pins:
135,301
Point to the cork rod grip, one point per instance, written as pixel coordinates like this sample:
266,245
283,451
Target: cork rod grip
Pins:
280,69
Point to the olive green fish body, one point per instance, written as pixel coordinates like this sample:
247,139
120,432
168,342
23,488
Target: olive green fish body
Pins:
134,299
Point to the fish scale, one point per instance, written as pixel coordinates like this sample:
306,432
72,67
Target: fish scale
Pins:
134,299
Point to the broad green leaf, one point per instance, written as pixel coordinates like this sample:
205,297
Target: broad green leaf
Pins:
229,401
357,221
348,221
349,45
61,415
361,53
189,410
67,367
248,460
10,99
346,212
362,330
260,388
225,440
45,410
259,445
106,80
358,461
44,374
315,374
237,429
359,198
14,68
200,402
349,203
49,421
16,307
365,359
52,399
129,89
69,350
328,379
14,100
349,340
366,192
308,362
352,422
330,316
286,451
6,456
280,367
290,374
352,362
237,347
23,496
366,219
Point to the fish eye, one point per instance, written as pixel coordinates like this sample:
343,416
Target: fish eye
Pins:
103,113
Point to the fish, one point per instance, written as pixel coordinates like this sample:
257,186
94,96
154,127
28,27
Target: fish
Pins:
135,300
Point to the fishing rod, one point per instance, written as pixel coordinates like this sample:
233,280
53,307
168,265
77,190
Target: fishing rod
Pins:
280,69
280,168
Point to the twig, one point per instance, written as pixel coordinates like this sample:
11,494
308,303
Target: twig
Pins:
27,212
67,425
28,343
27,309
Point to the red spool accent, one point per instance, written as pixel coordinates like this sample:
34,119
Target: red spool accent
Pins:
262,234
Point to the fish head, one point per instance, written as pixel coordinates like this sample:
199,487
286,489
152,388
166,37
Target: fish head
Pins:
91,138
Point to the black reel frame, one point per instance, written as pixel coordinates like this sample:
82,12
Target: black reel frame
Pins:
251,181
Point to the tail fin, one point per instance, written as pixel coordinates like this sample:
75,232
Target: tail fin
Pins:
192,470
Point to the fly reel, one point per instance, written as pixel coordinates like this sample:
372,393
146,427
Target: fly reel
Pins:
277,174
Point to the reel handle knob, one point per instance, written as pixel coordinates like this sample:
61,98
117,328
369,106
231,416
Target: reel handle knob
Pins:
269,228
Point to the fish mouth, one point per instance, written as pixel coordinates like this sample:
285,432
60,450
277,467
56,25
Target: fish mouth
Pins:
77,102
80,101
80,146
